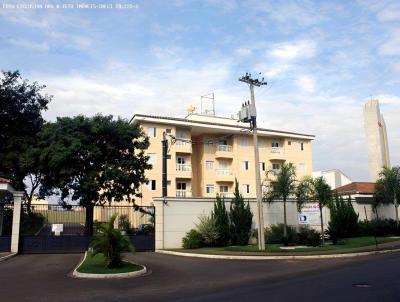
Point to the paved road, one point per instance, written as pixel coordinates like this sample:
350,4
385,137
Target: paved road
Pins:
44,278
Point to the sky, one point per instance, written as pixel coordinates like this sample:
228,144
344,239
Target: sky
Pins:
322,60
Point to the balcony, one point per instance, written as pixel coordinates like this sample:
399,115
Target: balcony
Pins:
224,175
183,146
224,151
277,153
183,194
184,170
226,194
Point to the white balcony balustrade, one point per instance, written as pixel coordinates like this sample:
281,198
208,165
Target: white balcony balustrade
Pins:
184,167
224,148
182,193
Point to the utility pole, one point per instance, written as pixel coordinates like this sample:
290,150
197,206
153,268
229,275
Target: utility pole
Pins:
248,114
164,165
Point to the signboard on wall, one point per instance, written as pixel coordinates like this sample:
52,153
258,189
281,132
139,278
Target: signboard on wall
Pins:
309,214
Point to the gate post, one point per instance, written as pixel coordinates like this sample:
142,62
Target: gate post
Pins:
16,222
159,223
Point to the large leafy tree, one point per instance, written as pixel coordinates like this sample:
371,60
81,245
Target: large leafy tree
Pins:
93,160
282,186
315,190
21,107
387,188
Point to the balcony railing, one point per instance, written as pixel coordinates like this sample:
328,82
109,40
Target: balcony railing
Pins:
182,193
225,194
225,148
184,167
224,172
278,150
185,142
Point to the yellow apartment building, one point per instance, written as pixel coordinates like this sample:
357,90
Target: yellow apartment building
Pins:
209,152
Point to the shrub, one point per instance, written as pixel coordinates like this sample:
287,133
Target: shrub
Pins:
221,222
378,227
110,242
274,234
193,240
309,237
208,229
240,219
123,223
344,220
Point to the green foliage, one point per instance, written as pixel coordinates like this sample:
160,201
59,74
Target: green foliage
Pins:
275,234
21,107
344,220
110,242
123,223
93,160
208,229
221,222
193,240
309,237
378,227
240,219
31,223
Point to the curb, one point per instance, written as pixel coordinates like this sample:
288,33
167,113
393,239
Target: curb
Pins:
4,258
294,257
77,274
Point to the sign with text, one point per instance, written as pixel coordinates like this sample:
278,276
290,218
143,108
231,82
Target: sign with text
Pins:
309,214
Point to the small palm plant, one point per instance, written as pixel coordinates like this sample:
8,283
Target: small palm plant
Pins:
111,243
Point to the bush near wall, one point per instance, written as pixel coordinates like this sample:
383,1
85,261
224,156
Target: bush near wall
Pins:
305,235
378,227
193,240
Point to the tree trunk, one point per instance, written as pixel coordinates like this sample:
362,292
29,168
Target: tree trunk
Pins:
396,210
322,225
284,222
89,220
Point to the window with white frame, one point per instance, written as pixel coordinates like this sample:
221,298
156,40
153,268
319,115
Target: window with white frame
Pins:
209,141
245,165
152,131
223,164
275,144
276,166
180,160
289,143
244,141
262,166
223,189
246,188
181,186
210,189
152,158
209,165
152,185
223,142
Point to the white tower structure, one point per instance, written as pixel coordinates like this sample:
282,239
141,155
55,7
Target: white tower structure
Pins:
375,130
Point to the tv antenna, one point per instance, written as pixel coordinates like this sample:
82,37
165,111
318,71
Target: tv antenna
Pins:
208,104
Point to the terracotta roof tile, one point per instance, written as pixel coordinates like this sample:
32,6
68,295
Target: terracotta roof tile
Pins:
357,187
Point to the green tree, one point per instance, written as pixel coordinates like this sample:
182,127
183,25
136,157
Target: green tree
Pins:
240,219
221,221
21,107
387,188
281,188
110,242
344,220
93,161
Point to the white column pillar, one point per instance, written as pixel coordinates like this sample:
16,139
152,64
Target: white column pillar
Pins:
16,221
159,224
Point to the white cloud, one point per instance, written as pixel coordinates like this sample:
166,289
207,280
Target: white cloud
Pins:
294,50
243,51
387,99
306,83
391,46
43,46
70,40
389,13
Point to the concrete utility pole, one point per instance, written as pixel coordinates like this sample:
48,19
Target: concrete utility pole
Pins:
248,113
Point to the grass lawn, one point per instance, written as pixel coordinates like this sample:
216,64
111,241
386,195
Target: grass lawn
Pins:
96,265
347,244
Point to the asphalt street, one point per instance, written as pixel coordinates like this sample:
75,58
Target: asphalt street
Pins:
47,278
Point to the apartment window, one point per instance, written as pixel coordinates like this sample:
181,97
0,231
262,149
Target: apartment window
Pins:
246,165
168,131
223,164
181,186
223,142
244,141
152,185
276,166
180,160
209,165
262,166
180,134
262,144
209,189
301,168
275,144
246,188
223,189
209,142
152,131
152,158
289,143
168,182
302,146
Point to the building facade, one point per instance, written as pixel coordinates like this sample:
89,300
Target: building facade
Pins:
375,130
207,154
335,178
